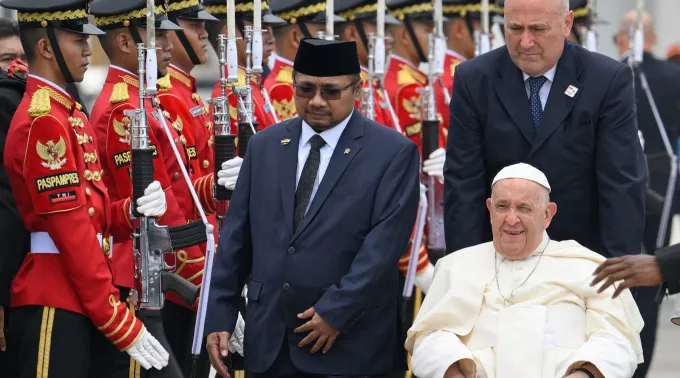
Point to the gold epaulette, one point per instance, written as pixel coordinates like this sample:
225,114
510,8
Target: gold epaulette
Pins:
164,83
408,75
40,103
285,75
119,93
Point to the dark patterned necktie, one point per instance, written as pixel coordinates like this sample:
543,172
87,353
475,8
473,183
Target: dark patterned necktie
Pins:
306,184
535,85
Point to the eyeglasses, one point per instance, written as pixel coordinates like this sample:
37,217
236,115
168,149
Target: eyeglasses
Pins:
309,91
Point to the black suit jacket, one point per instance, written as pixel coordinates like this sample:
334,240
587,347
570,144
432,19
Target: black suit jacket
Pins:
668,260
14,238
663,79
587,146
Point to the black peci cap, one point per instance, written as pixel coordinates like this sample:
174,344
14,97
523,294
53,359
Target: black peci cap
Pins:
323,58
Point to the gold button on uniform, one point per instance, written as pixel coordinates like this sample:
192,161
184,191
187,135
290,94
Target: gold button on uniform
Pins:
206,164
175,177
91,211
88,191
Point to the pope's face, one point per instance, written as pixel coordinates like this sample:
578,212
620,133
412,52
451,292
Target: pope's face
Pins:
520,212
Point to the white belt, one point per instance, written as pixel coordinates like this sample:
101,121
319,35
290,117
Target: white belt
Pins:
41,242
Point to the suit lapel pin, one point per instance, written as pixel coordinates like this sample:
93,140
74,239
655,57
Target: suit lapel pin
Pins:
571,91
346,151
285,141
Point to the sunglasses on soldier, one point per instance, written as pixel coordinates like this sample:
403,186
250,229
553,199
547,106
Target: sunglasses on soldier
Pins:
327,93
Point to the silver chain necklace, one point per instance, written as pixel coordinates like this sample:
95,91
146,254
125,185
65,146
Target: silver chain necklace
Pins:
507,302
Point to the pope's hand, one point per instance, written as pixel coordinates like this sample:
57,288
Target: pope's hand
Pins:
149,352
152,204
434,166
236,340
227,176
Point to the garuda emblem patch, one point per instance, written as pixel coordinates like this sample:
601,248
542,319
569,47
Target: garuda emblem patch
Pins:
52,154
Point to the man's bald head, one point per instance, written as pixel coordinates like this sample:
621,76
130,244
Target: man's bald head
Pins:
630,20
561,6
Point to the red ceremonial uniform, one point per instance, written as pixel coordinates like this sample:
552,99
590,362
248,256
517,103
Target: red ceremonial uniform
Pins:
381,104
112,126
263,113
184,87
279,85
179,121
53,167
402,82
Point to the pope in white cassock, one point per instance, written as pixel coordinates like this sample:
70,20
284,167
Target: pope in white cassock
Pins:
522,306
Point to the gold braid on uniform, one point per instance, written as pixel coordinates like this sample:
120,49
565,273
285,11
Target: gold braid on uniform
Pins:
293,15
182,5
52,16
464,9
581,12
139,13
362,9
119,93
401,13
242,7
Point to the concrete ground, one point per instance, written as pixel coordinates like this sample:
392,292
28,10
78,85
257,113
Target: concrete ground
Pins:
666,360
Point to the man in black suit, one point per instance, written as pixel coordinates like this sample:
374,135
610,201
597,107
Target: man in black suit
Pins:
322,211
664,84
548,102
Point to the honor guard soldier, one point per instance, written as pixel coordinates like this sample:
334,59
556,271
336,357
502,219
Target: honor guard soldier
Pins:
464,21
264,113
67,313
305,18
125,22
584,19
403,79
190,50
361,22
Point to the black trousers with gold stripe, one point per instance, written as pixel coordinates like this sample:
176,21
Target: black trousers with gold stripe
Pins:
55,343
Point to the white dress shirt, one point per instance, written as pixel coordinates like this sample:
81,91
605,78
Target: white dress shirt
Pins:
545,89
331,136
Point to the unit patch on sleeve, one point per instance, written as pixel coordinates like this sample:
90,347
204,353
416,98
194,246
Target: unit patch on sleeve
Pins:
58,181
63,197
124,158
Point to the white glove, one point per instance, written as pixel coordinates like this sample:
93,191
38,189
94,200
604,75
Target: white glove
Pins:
434,166
229,173
642,139
149,352
152,204
424,279
236,340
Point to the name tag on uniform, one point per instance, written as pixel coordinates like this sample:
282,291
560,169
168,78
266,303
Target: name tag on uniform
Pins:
197,111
